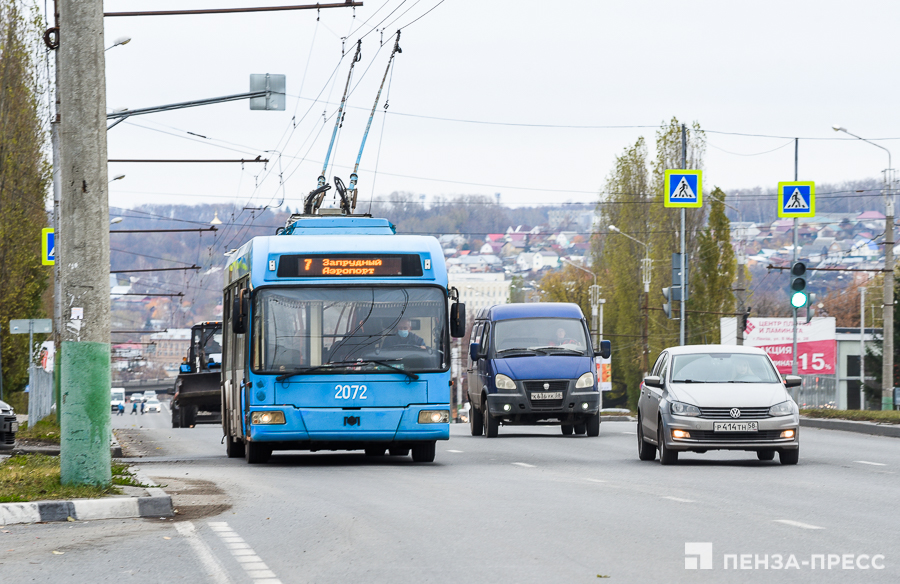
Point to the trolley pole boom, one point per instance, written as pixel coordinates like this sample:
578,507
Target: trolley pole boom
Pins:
340,113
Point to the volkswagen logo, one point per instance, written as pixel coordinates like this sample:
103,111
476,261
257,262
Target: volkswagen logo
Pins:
735,413
546,386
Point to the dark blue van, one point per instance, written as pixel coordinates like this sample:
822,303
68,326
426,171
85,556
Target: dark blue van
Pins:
533,364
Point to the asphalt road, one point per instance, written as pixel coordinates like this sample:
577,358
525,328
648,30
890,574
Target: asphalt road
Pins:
529,506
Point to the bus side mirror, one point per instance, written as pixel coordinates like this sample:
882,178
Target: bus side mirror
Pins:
605,350
457,320
240,308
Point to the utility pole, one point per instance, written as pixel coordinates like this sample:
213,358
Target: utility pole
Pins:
862,347
887,369
83,246
741,288
794,308
684,285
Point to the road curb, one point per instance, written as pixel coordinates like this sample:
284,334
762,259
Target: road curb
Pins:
871,428
157,503
616,419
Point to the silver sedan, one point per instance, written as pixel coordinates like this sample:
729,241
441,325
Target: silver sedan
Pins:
717,397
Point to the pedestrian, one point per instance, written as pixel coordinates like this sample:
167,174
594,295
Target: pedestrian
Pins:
142,408
121,409
185,366
133,408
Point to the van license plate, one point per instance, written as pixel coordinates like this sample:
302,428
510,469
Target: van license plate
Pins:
547,395
735,426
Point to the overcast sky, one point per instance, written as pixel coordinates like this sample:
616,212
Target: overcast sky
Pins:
779,68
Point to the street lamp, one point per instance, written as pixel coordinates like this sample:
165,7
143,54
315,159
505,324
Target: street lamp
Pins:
119,41
646,265
594,294
887,365
117,177
115,220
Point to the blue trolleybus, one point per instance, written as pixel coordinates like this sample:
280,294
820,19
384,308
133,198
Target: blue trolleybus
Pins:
337,337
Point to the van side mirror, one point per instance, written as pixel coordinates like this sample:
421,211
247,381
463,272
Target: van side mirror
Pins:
240,309
793,381
474,349
457,320
605,350
653,381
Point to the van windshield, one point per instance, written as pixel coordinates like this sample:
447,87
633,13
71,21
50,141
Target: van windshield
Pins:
545,335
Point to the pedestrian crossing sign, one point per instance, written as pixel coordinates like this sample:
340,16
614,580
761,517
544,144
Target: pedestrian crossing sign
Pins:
684,188
796,199
48,247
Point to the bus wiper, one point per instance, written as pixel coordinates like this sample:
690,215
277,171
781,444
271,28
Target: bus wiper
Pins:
304,371
412,376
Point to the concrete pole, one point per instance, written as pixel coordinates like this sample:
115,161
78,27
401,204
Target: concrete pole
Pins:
887,371
83,246
600,330
862,347
793,309
741,287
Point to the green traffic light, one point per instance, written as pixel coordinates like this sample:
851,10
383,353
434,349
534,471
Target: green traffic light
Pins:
798,299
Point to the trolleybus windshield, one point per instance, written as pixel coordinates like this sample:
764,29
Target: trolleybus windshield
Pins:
350,329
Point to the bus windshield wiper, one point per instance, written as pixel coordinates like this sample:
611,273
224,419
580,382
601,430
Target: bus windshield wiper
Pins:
412,376
305,371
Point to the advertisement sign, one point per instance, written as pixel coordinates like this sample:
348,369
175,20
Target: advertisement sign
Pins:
816,342
604,373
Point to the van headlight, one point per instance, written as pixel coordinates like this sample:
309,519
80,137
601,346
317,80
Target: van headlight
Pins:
267,418
783,409
683,409
504,382
586,380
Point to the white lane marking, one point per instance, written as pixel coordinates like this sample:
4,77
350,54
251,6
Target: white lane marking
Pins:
679,500
595,480
525,464
244,554
630,433
798,524
213,566
456,451
872,463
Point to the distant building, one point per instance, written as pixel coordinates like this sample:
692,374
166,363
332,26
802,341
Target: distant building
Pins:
168,348
480,290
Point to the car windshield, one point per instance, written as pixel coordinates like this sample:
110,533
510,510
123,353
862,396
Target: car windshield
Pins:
356,329
550,335
723,368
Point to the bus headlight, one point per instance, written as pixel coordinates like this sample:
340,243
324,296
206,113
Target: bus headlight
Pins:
267,417
504,382
434,416
586,380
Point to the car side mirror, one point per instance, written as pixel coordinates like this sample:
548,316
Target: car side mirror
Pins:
653,381
605,350
457,320
474,349
793,381
240,308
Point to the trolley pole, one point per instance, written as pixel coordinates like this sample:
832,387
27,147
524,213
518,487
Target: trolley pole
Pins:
83,246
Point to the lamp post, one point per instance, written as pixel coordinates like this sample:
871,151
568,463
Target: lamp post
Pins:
887,353
646,265
595,298
118,42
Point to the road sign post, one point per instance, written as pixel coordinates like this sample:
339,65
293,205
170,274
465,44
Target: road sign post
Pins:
796,199
683,190
48,246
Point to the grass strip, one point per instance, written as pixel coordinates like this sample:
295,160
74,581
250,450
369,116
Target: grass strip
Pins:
46,430
881,416
35,477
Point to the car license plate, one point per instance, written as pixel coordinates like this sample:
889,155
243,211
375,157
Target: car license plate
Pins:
735,426
547,395
14,427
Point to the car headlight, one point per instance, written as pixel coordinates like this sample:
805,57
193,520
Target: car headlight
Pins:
785,408
504,382
683,409
586,380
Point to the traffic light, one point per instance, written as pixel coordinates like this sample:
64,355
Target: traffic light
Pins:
745,318
810,310
798,294
667,307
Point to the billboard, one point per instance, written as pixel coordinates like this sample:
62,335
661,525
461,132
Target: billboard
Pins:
816,342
